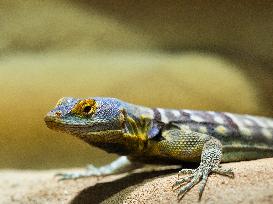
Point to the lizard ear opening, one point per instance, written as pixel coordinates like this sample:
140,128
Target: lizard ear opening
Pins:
122,117
156,128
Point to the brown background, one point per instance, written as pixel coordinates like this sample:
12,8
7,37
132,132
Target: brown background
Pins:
179,54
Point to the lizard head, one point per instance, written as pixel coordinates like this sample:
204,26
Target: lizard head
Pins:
91,119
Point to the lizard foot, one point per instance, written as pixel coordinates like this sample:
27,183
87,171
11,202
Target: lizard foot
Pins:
183,185
91,170
120,165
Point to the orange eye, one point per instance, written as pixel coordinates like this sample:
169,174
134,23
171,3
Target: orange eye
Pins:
85,107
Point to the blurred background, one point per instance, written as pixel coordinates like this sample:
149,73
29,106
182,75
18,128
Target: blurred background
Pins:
209,55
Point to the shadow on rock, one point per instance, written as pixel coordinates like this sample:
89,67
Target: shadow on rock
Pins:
102,191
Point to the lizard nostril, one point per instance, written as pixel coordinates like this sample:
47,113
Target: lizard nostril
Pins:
58,113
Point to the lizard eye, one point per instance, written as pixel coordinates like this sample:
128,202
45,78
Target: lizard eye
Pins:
85,107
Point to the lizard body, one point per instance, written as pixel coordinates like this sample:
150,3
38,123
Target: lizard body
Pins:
156,135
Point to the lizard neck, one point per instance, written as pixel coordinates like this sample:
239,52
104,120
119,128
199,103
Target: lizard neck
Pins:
122,142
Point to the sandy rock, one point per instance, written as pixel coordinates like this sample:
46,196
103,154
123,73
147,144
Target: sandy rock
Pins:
253,183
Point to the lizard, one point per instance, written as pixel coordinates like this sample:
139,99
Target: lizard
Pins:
143,135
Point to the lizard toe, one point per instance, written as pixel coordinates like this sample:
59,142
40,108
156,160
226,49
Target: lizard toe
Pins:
222,171
185,188
186,171
181,181
67,176
186,183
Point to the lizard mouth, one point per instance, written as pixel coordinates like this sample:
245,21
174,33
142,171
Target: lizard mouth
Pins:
57,125
54,124
76,129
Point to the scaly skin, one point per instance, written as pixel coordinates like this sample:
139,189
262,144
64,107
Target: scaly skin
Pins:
144,135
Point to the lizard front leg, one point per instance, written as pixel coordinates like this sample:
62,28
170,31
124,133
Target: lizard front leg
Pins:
120,165
184,144
210,163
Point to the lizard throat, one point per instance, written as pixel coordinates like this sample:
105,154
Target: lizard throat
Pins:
111,141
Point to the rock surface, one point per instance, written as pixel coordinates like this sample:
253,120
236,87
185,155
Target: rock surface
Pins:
253,183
